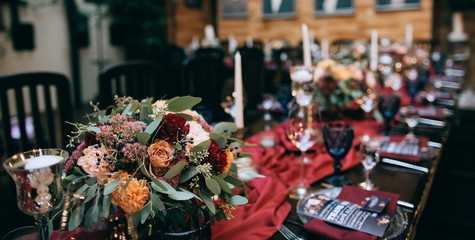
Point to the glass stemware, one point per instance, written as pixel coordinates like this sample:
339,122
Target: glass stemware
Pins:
227,98
303,130
388,106
338,139
303,86
93,208
410,115
413,83
37,176
370,157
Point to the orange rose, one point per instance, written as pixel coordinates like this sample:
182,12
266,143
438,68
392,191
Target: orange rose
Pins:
160,154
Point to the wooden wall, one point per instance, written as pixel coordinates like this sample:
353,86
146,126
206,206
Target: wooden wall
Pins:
190,22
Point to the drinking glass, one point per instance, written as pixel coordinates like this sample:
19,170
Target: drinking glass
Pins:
37,176
92,209
431,95
410,115
228,96
303,86
413,83
368,101
303,130
388,105
370,157
338,139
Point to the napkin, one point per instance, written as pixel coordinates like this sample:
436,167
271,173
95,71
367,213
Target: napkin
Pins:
430,112
408,158
354,195
261,217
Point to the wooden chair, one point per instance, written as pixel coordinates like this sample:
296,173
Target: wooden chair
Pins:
138,79
41,91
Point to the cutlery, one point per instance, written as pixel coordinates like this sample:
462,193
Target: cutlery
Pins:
289,235
431,122
434,144
404,164
405,204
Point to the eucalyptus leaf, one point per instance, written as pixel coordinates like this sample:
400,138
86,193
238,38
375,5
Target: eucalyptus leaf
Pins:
82,189
213,186
94,129
240,142
166,189
225,128
220,140
127,110
175,170
178,104
186,116
144,215
243,155
202,146
106,205
156,202
208,201
50,228
91,216
150,129
234,181
110,187
145,111
91,181
181,196
76,218
136,216
143,137
238,200
222,184
187,174
91,193
71,177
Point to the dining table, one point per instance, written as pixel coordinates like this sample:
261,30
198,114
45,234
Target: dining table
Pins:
270,209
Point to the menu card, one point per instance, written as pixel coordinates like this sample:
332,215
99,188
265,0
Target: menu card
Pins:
346,214
407,148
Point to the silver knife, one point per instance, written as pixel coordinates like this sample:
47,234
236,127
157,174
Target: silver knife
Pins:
434,144
404,164
431,122
405,204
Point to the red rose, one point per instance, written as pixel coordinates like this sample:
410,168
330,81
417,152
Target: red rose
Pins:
327,85
217,157
173,127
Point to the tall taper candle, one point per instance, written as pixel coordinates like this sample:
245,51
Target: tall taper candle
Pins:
409,34
374,51
325,47
307,60
238,99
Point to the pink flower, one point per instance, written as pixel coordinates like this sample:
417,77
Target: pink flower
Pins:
197,134
160,154
95,160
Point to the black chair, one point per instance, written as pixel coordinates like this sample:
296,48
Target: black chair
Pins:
204,77
252,74
172,59
44,91
209,52
138,79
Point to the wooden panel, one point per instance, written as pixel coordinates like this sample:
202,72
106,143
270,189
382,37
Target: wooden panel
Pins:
191,22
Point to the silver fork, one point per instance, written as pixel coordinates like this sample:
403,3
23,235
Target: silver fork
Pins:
289,235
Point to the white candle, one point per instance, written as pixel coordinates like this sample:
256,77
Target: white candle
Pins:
409,34
374,50
307,60
41,162
249,42
302,76
232,44
325,46
238,99
209,32
457,23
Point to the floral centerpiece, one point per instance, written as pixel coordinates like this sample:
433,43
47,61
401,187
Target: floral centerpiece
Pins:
166,156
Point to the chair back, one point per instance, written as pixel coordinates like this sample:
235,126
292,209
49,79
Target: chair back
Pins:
205,78
138,79
252,75
41,91
209,52
172,58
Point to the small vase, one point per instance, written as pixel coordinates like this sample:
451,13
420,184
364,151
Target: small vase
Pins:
179,223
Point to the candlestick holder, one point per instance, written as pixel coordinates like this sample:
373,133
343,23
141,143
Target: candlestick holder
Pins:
37,176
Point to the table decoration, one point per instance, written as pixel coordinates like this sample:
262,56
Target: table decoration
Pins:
167,156
37,175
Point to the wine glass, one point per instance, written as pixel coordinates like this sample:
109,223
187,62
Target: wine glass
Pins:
410,115
368,101
37,176
228,96
413,82
303,130
303,86
338,139
96,207
388,105
370,157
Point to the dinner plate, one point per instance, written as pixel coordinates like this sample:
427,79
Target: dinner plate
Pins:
396,227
